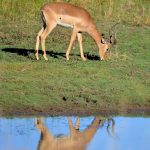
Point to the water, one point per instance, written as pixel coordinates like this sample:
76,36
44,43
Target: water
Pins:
117,133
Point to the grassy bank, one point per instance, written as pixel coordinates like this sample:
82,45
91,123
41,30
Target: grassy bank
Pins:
136,12
121,82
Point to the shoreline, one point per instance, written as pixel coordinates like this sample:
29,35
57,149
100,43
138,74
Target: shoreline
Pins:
75,111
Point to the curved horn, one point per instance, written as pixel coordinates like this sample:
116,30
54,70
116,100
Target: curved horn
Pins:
111,126
112,34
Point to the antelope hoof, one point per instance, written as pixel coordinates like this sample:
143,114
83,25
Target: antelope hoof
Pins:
83,58
37,57
67,58
45,58
102,59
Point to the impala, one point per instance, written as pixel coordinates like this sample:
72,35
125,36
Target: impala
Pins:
78,19
77,140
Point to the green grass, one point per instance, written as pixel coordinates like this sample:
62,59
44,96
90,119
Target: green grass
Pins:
121,81
136,12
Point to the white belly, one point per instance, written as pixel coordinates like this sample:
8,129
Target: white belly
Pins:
64,24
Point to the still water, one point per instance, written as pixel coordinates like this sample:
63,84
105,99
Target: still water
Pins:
74,133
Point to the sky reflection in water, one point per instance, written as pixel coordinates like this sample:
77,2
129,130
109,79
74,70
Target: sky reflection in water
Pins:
130,133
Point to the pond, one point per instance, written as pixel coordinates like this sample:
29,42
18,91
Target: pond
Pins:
75,133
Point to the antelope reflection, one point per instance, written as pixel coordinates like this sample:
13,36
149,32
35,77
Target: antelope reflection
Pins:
77,140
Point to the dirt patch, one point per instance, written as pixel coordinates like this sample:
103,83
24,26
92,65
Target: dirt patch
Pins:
76,110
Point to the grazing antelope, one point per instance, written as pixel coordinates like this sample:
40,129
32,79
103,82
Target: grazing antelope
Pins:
79,19
77,140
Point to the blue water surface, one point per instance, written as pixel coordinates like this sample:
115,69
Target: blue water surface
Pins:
130,133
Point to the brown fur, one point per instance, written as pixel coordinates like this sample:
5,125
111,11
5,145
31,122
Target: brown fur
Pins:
75,141
76,17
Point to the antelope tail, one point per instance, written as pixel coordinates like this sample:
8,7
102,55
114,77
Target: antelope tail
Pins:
43,20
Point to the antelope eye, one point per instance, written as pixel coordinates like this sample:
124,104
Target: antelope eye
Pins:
107,49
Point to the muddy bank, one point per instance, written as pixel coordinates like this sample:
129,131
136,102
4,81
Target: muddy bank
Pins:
74,110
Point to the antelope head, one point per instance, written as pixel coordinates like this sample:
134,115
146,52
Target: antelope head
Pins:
106,44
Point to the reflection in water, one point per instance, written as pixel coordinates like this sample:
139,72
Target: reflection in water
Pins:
119,133
77,140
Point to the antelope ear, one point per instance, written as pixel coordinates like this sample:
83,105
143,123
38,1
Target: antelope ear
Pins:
103,41
113,40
